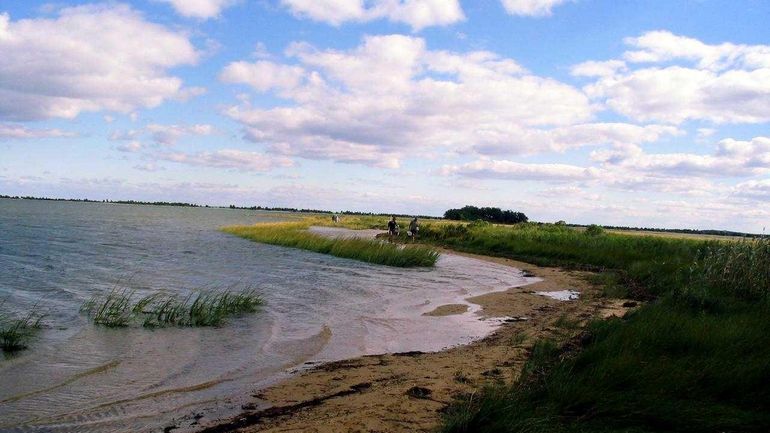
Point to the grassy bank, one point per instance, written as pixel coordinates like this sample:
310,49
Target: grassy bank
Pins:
295,235
122,308
696,359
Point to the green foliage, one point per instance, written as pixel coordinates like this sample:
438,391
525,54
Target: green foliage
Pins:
664,368
594,230
367,250
17,332
119,309
695,360
489,214
655,264
737,267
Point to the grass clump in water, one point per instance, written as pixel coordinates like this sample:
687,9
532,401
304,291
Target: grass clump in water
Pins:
17,332
295,235
120,309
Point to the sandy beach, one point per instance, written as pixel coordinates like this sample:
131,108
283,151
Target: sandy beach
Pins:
407,392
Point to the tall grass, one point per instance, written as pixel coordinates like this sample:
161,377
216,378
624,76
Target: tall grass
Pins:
294,235
737,267
653,263
121,308
696,359
17,332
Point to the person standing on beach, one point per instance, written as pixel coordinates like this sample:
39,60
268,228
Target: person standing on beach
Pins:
392,228
414,227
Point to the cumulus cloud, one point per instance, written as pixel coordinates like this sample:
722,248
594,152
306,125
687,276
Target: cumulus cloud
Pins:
392,96
533,8
166,135
512,170
89,58
753,189
732,158
416,13
131,147
671,78
263,75
201,9
169,134
15,131
574,136
231,159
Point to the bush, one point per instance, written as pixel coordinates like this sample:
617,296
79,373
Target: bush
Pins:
594,230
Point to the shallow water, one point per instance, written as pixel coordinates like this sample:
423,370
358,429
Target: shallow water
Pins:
78,377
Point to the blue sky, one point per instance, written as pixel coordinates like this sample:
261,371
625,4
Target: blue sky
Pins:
640,113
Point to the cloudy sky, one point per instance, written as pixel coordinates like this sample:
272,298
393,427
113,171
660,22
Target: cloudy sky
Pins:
635,112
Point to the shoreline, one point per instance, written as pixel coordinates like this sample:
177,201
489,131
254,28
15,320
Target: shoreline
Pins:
407,392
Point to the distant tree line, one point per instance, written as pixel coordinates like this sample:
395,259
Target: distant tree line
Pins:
489,214
685,231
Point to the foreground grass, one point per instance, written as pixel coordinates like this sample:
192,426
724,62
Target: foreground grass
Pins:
696,359
121,308
16,333
295,235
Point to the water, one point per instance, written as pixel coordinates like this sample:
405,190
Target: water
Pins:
79,377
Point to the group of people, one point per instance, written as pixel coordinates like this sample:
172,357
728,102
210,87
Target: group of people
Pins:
393,229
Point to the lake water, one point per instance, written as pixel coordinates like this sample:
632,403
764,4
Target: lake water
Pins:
85,378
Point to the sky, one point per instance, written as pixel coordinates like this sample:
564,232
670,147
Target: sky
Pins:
642,113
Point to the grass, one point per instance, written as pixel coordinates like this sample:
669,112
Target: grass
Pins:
16,333
695,359
121,308
295,235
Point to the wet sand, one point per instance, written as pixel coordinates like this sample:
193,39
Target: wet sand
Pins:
407,392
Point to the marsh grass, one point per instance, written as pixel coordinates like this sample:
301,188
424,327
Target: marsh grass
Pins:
122,308
295,235
17,332
694,359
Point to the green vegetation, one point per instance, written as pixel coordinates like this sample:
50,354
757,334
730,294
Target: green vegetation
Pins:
489,214
17,332
121,308
695,359
295,235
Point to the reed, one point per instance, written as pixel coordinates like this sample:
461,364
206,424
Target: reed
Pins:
17,332
119,308
694,359
294,235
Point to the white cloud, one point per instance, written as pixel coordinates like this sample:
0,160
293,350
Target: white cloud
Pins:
392,96
169,134
88,58
14,131
688,80
263,75
231,159
574,136
201,9
149,167
533,8
131,147
663,46
416,13
732,158
593,68
511,170
162,134
754,190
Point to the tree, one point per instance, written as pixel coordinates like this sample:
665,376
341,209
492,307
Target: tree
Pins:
489,214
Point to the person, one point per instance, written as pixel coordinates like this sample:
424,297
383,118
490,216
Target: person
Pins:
392,228
414,227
